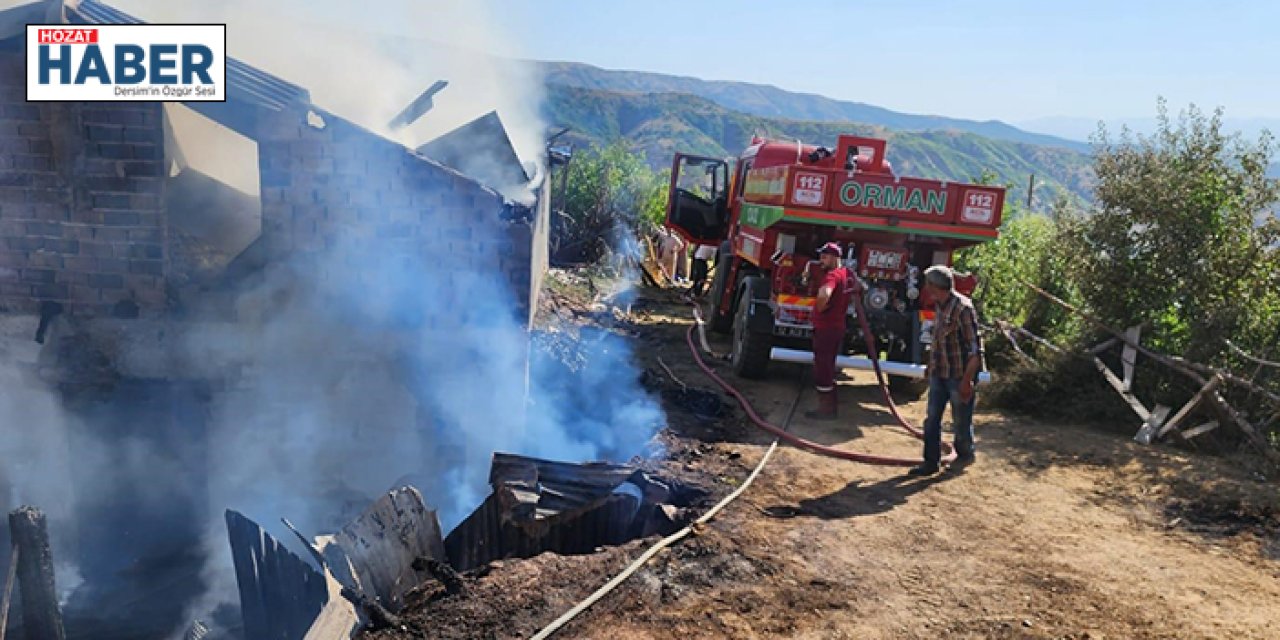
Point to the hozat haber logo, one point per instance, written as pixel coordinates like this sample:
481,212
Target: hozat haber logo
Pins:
136,62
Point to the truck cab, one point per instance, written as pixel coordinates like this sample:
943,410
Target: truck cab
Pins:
773,206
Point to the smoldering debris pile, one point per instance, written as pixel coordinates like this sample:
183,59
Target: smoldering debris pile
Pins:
541,505
358,578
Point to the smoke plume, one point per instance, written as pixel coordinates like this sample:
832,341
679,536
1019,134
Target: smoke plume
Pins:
339,380
347,390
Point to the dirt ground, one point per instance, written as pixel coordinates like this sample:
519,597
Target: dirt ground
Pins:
1058,531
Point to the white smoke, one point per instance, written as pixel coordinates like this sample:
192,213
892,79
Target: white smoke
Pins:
35,449
354,66
345,391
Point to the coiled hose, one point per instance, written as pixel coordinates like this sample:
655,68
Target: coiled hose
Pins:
809,445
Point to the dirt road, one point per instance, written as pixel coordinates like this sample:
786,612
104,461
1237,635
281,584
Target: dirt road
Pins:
1058,531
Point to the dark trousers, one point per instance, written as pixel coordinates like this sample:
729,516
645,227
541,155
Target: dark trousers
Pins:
944,391
699,275
826,346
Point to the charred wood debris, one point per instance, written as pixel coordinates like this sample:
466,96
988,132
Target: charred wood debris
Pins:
358,577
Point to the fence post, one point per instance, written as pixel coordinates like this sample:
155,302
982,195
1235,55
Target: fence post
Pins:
41,619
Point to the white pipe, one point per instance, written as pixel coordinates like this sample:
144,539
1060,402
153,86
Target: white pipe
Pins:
889,367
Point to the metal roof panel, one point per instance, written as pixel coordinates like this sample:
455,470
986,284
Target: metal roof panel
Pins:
245,83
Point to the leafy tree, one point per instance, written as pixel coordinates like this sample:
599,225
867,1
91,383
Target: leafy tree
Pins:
1183,237
611,192
1175,239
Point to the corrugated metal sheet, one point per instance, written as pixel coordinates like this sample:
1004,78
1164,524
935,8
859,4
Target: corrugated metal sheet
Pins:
244,83
383,542
481,149
280,594
540,505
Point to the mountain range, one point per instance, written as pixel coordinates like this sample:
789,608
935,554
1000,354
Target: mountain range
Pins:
660,114
772,102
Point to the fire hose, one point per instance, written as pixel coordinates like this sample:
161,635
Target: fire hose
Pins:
781,433
652,551
809,445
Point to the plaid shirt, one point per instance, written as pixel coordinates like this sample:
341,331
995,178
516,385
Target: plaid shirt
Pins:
955,337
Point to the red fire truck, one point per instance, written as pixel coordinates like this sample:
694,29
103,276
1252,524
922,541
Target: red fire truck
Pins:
779,201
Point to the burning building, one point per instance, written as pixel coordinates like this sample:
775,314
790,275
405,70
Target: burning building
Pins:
290,330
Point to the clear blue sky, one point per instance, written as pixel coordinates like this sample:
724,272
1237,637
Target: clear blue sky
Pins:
1012,60
996,59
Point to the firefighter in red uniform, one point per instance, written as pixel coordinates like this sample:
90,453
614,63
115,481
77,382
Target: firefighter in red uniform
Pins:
829,311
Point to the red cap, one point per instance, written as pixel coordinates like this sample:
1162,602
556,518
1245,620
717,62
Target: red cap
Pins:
831,248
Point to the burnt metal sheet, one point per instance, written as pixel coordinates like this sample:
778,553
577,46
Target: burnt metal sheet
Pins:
541,505
379,547
480,149
339,618
244,82
280,594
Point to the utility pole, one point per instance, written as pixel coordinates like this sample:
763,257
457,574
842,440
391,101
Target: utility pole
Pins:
1031,190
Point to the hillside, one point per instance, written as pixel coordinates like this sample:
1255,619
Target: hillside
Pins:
661,123
772,102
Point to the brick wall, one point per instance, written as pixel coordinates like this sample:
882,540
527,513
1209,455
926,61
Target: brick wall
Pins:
342,188
81,202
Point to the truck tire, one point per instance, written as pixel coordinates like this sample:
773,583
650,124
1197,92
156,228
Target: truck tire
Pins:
909,389
750,355
711,306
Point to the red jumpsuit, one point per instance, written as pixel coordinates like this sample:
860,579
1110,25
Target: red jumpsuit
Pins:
829,328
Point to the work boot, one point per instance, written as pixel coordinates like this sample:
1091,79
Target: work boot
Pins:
826,407
926,469
963,459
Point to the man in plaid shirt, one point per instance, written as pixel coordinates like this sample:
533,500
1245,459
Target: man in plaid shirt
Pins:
955,358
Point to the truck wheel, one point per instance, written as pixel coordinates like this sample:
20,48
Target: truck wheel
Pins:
750,357
909,389
711,306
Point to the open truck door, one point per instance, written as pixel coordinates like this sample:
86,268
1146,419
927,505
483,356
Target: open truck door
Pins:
698,202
